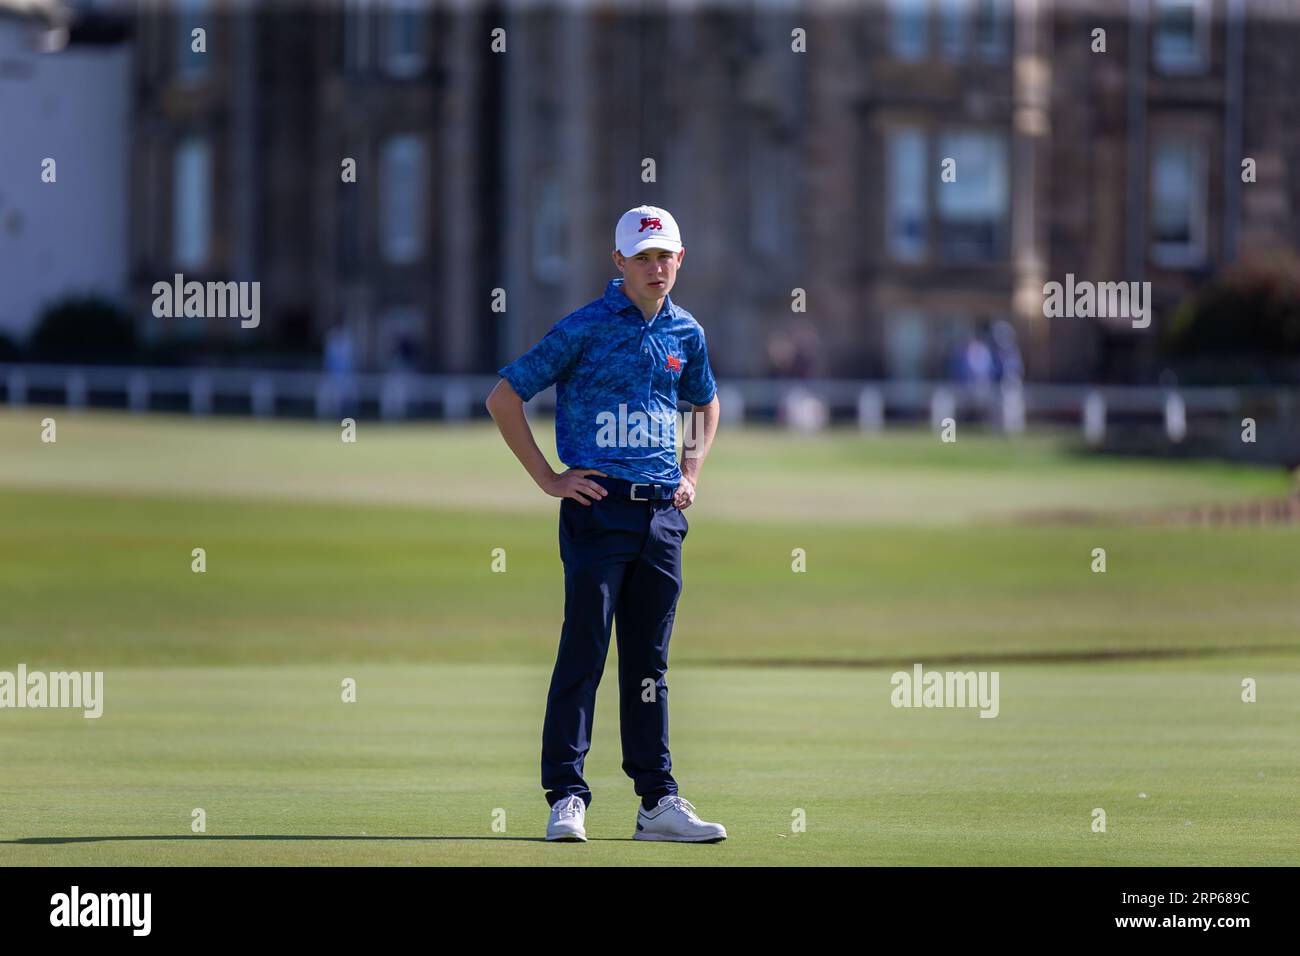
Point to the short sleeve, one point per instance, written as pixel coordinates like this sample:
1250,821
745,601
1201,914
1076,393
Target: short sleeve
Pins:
545,363
697,384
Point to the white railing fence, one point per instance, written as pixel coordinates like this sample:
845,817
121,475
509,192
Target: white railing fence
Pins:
805,405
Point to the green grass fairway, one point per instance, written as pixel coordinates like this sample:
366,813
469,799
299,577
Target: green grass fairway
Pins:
374,561
415,769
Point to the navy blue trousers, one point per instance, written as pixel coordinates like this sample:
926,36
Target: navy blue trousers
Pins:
622,566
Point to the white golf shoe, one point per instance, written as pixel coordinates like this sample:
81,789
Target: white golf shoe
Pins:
566,823
674,819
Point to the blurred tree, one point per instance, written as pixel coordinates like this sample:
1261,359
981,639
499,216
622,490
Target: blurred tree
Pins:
1251,308
84,329
9,350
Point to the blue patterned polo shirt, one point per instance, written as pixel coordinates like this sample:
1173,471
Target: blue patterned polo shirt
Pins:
617,380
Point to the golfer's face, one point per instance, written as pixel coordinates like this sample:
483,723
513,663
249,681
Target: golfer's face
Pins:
650,274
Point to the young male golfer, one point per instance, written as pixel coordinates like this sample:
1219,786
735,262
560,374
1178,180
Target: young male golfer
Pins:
619,365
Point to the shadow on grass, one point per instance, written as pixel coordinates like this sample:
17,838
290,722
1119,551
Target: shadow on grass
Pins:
48,841
1011,657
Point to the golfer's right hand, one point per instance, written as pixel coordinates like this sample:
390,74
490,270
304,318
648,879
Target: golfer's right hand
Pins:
574,484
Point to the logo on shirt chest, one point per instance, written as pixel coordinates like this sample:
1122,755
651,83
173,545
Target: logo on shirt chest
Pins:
674,364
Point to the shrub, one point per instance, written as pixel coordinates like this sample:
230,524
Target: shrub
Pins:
86,330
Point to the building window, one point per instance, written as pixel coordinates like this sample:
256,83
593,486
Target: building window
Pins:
402,184
954,18
192,15
992,29
909,29
356,35
1178,201
192,204
972,210
404,38
550,232
1181,35
906,194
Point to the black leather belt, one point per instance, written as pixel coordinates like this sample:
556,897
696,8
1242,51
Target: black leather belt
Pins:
635,490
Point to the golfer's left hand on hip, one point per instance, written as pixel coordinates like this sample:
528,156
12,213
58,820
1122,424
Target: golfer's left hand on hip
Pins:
685,494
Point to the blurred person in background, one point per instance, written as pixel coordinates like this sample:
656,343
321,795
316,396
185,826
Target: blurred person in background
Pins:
794,351
340,365
1008,366
973,365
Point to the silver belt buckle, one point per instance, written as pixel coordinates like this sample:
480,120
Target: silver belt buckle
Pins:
640,484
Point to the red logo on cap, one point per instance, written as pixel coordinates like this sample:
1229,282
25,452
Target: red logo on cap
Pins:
650,224
674,364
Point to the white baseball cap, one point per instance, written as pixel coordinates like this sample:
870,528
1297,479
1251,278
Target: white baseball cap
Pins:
647,227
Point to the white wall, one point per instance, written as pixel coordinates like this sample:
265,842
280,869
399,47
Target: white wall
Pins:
69,236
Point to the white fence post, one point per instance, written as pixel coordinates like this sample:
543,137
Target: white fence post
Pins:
731,405
392,400
328,398
17,386
803,410
1094,418
137,392
1013,409
1175,417
75,390
943,404
263,397
201,395
871,410
455,401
